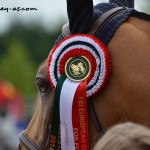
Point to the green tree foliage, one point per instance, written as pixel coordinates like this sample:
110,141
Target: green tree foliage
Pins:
37,40
17,66
22,49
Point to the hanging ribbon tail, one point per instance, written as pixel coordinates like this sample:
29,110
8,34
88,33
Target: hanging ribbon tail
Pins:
66,100
80,118
55,139
73,116
69,130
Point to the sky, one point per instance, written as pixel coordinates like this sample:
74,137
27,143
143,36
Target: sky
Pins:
49,12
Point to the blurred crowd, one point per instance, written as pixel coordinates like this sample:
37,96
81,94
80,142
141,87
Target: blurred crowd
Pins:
11,116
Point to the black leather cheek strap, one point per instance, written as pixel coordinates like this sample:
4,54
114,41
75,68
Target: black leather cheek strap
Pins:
95,119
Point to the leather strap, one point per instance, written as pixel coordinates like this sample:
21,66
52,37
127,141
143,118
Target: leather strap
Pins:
27,142
94,117
99,23
103,19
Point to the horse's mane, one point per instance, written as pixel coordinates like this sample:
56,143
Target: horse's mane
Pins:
140,15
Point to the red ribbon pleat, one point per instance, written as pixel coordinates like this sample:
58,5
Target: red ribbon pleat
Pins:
80,118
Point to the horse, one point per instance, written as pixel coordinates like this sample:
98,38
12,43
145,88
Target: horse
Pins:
126,96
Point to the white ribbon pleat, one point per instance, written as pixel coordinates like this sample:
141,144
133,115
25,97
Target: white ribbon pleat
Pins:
66,100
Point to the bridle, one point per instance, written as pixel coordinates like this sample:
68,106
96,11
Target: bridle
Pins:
95,29
31,145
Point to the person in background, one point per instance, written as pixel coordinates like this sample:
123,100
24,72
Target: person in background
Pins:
8,131
125,136
11,115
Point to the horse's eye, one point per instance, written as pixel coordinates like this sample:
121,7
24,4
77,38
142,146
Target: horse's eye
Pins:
42,86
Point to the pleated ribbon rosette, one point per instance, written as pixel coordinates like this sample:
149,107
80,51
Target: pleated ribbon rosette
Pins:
78,67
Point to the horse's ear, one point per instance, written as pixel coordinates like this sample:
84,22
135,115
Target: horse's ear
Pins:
126,3
80,14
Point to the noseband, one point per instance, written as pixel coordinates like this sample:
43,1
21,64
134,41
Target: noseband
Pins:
96,28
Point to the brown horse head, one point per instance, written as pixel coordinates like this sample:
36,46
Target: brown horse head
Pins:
126,96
